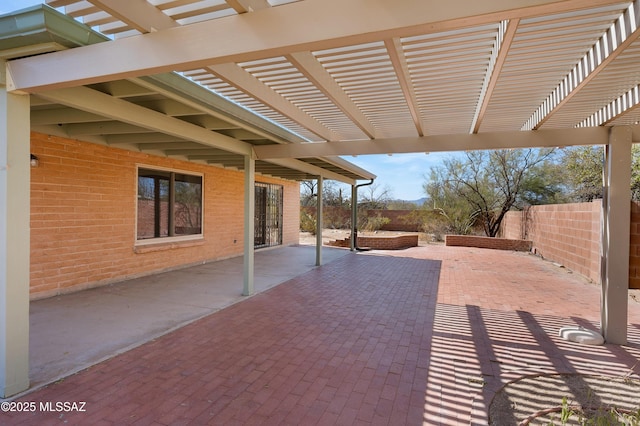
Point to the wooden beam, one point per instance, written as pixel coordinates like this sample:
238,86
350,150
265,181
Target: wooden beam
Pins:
307,25
439,143
117,109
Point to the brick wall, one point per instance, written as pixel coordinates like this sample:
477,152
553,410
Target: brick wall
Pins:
83,216
399,219
380,242
565,233
487,242
634,247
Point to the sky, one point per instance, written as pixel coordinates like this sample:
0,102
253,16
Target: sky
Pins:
402,174
7,6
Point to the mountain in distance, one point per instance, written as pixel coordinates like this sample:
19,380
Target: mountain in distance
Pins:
419,202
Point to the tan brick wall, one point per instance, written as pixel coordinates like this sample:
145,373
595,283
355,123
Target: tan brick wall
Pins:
634,247
565,233
487,242
83,204
391,242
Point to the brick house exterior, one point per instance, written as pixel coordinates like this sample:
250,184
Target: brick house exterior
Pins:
83,216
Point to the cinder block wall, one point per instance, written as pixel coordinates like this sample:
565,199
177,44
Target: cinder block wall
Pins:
83,216
487,242
634,247
565,233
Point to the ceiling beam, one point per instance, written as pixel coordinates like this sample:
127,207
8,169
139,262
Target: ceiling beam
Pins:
244,6
440,143
306,25
117,109
396,54
40,117
496,70
315,72
102,128
178,148
140,15
135,138
292,163
612,44
238,77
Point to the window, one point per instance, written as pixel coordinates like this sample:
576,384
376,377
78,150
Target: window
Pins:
268,215
169,204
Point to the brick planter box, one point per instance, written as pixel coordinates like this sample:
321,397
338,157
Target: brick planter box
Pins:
487,242
383,242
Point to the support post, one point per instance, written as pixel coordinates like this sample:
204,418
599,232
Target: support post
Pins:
15,192
615,232
249,225
319,224
354,217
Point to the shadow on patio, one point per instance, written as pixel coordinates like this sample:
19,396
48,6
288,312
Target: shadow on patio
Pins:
421,336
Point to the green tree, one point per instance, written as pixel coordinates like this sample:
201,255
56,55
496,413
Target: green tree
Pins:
333,194
374,197
581,168
482,186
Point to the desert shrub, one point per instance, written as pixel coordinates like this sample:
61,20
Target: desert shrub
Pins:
374,223
307,222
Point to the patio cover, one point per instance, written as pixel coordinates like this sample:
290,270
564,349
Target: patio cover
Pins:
339,77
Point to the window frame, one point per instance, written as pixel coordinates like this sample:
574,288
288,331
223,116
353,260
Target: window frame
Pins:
175,238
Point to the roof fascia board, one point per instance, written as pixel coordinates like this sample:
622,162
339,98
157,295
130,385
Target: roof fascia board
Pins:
344,164
440,143
307,25
43,25
292,163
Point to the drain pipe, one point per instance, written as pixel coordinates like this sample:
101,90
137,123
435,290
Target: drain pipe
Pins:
354,216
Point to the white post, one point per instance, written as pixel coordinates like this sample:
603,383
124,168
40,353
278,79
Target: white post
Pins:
354,217
616,222
319,223
15,192
249,224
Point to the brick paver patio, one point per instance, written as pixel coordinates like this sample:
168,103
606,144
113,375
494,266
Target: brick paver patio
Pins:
420,336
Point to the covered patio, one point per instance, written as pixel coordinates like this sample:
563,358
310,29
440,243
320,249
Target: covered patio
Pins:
282,89
426,335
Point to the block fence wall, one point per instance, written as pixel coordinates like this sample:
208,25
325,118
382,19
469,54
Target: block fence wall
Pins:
570,234
83,216
400,220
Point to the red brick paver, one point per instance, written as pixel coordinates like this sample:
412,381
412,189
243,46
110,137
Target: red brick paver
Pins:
422,336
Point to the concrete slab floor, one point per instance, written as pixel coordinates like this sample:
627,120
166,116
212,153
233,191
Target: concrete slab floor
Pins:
72,332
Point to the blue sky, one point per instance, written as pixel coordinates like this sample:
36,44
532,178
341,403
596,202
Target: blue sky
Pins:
7,6
402,173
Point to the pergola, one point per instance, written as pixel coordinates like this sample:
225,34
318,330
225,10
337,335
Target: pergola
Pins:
312,80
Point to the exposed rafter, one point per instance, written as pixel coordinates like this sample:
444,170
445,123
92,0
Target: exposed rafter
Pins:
503,43
306,25
375,73
439,143
394,47
99,103
622,33
246,82
313,70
